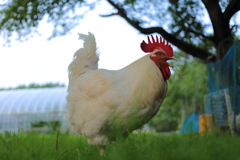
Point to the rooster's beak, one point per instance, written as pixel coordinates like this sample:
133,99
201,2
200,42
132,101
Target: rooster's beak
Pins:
170,58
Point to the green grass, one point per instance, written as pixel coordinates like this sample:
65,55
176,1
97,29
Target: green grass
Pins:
32,146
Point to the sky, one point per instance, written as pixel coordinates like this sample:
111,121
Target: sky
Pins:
38,60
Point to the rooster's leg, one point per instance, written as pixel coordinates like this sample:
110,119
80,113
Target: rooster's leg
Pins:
102,151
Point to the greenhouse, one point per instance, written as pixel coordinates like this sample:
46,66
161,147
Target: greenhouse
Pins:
33,109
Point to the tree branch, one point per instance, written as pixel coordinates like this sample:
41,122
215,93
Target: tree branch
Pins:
231,9
198,34
122,13
188,48
109,15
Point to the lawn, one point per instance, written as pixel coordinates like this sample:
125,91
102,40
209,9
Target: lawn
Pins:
141,146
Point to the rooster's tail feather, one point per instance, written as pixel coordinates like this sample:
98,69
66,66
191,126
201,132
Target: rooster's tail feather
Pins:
84,59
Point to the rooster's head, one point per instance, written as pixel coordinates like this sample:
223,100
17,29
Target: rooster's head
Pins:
160,51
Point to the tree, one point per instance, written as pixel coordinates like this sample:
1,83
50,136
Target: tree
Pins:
35,85
181,22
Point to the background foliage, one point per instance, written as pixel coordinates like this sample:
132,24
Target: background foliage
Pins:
35,85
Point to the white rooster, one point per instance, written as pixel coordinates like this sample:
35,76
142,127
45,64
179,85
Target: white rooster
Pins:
100,101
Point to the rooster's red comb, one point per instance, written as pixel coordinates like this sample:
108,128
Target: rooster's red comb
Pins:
159,43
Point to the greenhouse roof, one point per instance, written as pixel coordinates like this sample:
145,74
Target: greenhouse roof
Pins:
33,100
